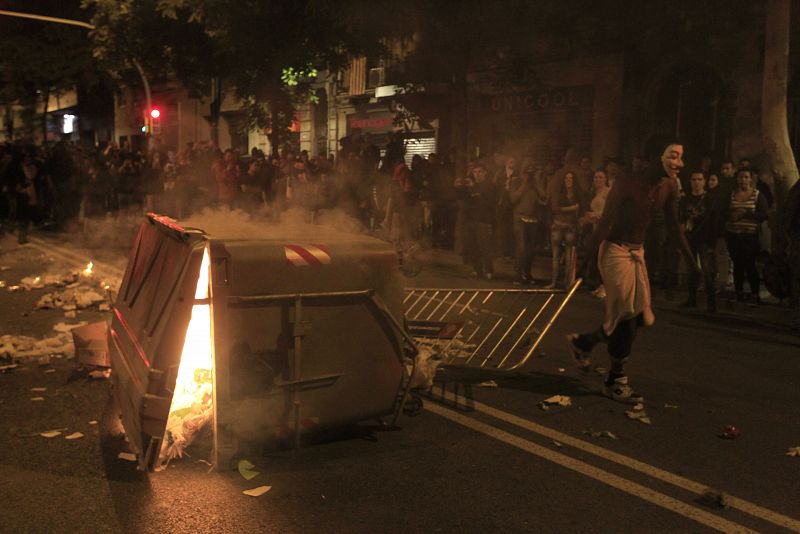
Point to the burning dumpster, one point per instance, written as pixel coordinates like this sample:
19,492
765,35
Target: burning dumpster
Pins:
257,336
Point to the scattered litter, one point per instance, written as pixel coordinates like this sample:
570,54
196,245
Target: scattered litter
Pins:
428,360
560,400
37,398
129,456
97,373
38,389
201,461
67,327
600,370
667,405
52,433
246,469
14,289
4,368
558,444
257,492
92,422
74,435
730,432
600,433
561,369
793,451
25,347
49,370
638,414
714,498
488,384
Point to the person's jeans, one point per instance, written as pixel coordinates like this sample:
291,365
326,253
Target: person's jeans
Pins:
524,245
566,234
479,241
743,249
706,255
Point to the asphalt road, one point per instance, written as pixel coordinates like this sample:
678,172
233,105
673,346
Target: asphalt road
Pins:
503,465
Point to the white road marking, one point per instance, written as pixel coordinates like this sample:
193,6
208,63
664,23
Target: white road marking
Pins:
659,499
647,469
72,256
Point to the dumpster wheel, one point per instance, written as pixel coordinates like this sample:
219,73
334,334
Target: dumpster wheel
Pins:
413,406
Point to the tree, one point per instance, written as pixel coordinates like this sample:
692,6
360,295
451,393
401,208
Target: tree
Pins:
38,59
773,104
270,53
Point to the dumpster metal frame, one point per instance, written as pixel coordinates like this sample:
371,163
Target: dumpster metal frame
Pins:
493,349
296,382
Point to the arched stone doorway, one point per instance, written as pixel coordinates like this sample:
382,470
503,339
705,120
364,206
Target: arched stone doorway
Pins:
690,103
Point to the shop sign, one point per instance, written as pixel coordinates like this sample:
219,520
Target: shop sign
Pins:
533,101
373,123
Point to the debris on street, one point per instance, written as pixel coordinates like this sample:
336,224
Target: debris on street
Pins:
714,498
128,456
247,469
428,361
560,400
793,451
488,384
52,433
92,422
730,432
39,389
74,435
100,374
257,492
600,433
638,414
37,398
7,366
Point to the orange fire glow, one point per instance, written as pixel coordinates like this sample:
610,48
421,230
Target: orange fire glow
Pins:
191,403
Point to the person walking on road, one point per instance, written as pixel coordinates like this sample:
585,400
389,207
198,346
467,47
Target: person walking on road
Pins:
631,204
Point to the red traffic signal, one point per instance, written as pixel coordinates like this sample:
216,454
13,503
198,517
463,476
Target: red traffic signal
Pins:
155,113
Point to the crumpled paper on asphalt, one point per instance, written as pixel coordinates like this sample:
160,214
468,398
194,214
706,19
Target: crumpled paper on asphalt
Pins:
560,400
70,299
448,349
30,347
638,414
428,361
247,469
257,492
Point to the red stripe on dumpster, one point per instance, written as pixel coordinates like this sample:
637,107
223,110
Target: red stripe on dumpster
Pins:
302,255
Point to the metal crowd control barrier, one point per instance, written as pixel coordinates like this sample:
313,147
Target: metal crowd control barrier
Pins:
488,328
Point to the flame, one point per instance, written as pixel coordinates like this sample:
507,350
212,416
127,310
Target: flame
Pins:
191,401
88,270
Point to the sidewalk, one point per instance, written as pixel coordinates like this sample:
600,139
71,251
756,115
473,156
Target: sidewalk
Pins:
770,315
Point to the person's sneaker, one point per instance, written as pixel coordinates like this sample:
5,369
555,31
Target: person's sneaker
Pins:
600,292
583,360
621,391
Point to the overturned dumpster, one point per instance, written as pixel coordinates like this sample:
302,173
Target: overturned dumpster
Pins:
257,336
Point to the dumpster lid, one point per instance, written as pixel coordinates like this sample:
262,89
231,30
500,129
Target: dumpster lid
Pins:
148,328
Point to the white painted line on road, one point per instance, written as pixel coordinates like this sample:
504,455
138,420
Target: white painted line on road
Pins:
71,256
647,469
637,490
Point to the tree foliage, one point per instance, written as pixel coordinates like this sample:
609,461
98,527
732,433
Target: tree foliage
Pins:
269,53
39,58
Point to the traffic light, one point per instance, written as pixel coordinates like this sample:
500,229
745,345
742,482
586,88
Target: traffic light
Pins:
155,121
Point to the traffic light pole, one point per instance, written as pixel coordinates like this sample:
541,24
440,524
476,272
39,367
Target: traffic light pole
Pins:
58,20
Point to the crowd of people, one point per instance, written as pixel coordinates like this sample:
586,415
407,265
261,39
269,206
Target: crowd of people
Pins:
503,207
